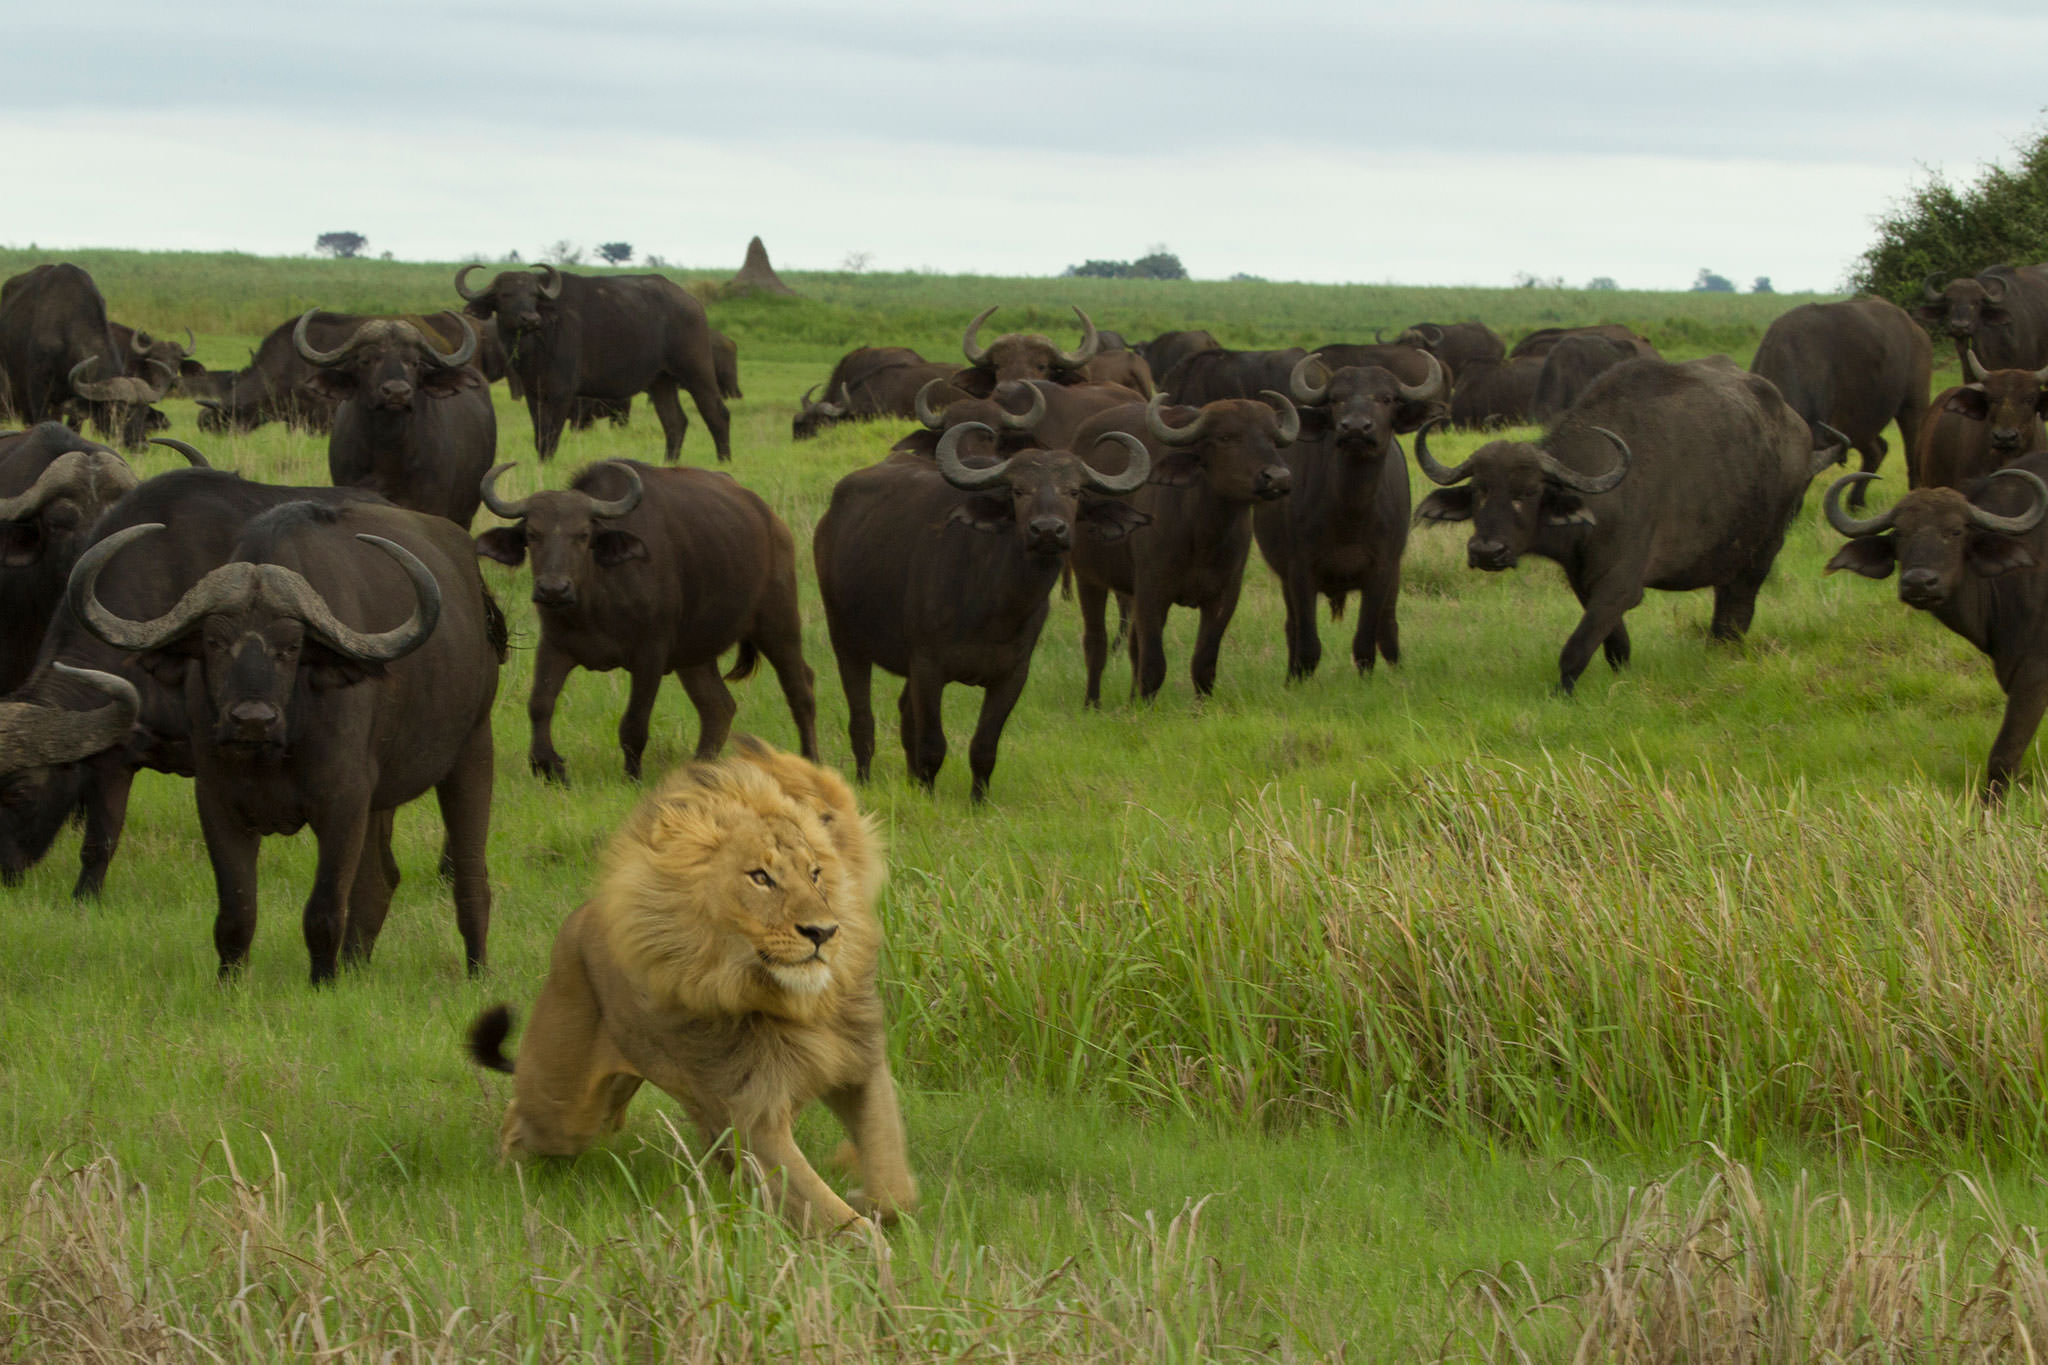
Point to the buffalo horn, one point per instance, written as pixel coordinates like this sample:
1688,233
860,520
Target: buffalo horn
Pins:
1985,279
1305,389
304,601
462,284
1028,419
1431,333
461,354
73,471
1588,483
1842,521
1285,415
192,456
1436,472
551,287
959,475
318,357
1136,469
38,736
191,344
1973,368
93,391
626,501
1155,422
934,418
2025,521
1928,291
511,511
123,633
140,341
967,347
1090,344
157,391
1430,388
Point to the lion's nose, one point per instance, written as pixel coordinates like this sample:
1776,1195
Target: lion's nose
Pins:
820,934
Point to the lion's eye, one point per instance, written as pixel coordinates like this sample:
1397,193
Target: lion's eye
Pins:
817,875
761,878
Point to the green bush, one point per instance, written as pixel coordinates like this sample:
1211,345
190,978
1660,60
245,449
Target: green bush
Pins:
2003,217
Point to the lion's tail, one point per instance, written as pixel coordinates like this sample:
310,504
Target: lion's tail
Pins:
487,1038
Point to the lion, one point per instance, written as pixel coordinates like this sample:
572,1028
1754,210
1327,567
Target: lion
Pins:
728,955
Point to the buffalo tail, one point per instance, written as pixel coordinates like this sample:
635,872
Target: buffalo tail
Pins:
743,667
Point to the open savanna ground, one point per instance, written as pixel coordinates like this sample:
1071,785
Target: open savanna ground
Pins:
1418,1015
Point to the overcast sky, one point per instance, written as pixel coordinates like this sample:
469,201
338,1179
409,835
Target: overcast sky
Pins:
1424,143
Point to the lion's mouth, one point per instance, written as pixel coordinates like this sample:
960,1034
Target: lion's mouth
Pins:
805,977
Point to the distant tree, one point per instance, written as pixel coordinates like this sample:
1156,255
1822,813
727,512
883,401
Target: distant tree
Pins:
857,261
1602,282
341,245
615,253
511,257
1707,282
386,256
1939,227
1159,265
1761,285
654,262
1242,277
1099,270
1525,280
563,252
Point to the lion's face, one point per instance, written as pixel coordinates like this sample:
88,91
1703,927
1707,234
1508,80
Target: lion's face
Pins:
828,796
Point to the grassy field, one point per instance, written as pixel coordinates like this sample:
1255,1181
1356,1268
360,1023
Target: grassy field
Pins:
1417,1016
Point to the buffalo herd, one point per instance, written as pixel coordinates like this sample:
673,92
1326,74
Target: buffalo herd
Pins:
318,656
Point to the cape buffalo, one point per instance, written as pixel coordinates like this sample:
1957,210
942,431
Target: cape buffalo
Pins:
1672,477
1540,342
870,382
943,574
1856,366
1003,429
276,384
297,717
1209,376
1022,355
1495,393
1455,344
1344,523
1207,472
206,511
1973,561
609,337
1168,349
2001,313
654,571
411,422
58,352
1125,368
1568,367
1974,428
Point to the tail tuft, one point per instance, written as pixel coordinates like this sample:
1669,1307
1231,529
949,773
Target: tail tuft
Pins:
487,1038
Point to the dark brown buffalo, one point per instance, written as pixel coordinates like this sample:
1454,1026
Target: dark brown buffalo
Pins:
1055,414
1210,376
276,384
140,349
1456,344
1022,355
1121,367
53,486
941,573
59,354
1977,427
1210,465
870,382
1410,364
1674,477
411,422
725,362
1344,524
206,512
1539,342
1491,394
340,664
1856,366
654,571
1971,559
605,337
2001,313
1568,368
1168,349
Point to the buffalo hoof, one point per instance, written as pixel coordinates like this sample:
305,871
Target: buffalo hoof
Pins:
551,770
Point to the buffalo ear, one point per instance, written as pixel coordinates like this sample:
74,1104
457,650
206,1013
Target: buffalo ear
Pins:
2041,404
1447,504
1409,416
1993,313
188,368
336,386
1871,556
1315,422
985,513
480,307
975,382
506,544
1108,519
613,548
1970,402
1991,554
1177,470
1562,507
444,383
326,670
21,543
1932,312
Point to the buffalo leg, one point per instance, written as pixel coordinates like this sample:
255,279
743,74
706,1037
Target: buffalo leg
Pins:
646,685
1873,452
2025,701
1148,644
996,704
924,729
465,800
1304,643
799,689
675,423
342,833
551,669
1209,630
369,900
1604,609
704,393
231,848
1734,609
857,680
1379,622
549,416
1912,415
715,707
106,813
1094,603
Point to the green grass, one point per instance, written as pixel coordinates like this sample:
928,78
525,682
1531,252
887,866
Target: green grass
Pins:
1363,1014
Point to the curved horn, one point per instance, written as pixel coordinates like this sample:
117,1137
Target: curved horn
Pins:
1155,422
157,391
1436,472
551,287
38,736
959,475
1985,279
1136,469
626,501
1090,344
1285,415
1429,389
1379,336
140,341
191,344
294,594
1842,521
462,286
122,633
934,418
1305,389
1588,483
1973,368
461,354
2025,521
805,401
93,391
976,357
318,357
1928,292
1430,333
74,470
1028,419
511,511
192,457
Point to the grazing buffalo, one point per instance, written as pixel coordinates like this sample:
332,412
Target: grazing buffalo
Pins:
58,352
411,422
1540,342
1168,349
1568,368
276,384
941,573
1456,344
725,364
1977,427
2001,313
871,382
1495,393
1022,355
1207,473
298,717
53,486
1344,524
1672,477
1855,366
1211,376
1972,559
654,571
606,337
142,349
